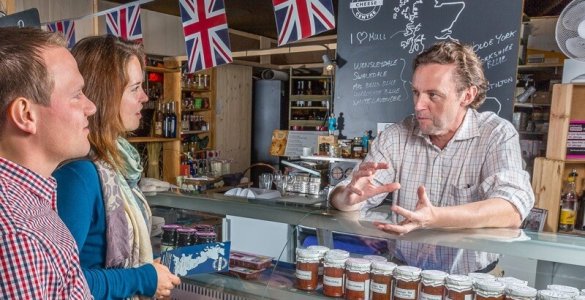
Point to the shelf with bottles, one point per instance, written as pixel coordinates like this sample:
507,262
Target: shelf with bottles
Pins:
196,82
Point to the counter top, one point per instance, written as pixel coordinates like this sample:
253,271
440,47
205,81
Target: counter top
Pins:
514,242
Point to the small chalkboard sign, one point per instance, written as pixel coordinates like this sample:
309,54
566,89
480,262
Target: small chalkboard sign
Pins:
297,140
377,41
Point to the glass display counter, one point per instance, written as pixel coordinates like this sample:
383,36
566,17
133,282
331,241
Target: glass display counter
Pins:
555,252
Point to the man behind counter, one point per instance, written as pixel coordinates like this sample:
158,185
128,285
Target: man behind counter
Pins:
447,165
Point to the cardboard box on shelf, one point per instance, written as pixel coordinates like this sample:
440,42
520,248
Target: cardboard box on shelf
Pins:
541,97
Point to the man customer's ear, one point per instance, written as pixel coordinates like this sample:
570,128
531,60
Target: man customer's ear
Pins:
22,114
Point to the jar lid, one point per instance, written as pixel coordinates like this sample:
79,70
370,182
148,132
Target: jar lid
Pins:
359,265
458,282
519,290
553,295
170,227
407,273
583,292
321,249
433,277
481,276
306,255
337,253
203,227
564,288
490,286
186,230
580,297
374,258
512,280
334,261
206,234
384,267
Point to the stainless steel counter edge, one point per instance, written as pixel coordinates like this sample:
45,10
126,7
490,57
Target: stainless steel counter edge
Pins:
542,246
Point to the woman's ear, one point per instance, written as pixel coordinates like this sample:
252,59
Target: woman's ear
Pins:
22,114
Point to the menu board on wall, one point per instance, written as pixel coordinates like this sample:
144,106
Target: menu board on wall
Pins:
377,41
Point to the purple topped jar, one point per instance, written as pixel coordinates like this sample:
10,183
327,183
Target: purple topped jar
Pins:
169,237
206,237
185,236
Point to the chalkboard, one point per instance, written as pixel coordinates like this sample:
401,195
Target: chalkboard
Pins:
297,140
377,41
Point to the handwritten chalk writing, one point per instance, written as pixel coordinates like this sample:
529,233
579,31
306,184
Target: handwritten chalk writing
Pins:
375,64
374,84
500,52
496,62
358,76
505,36
388,82
356,86
394,98
367,93
413,39
392,91
500,83
482,45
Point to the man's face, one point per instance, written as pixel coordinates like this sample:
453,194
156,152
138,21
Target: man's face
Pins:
439,108
63,124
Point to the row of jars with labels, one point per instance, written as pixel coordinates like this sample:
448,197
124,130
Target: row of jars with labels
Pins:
195,81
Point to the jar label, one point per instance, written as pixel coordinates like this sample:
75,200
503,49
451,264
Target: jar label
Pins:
358,286
164,248
303,275
425,296
405,294
332,281
379,288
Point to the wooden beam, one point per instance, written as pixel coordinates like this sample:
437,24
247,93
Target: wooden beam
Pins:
284,50
317,39
250,35
265,44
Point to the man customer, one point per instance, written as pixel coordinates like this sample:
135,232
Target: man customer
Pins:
44,121
447,165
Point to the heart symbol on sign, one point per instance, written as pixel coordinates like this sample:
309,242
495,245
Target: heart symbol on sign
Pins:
361,36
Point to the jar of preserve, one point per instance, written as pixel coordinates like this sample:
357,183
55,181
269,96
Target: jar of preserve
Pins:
381,286
206,237
407,280
333,270
204,228
432,285
553,295
307,269
169,237
512,280
357,278
374,258
321,250
185,236
520,292
459,287
481,276
564,288
489,289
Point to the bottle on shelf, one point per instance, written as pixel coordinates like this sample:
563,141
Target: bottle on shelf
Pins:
580,222
569,203
158,120
170,123
300,87
309,91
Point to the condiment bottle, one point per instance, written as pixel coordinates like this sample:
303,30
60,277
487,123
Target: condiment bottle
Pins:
357,278
185,236
407,279
481,276
564,289
169,237
307,269
512,280
381,286
334,268
520,292
432,285
459,287
553,295
489,289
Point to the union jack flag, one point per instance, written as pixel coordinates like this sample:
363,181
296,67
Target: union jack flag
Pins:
125,23
65,27
299,19
206,33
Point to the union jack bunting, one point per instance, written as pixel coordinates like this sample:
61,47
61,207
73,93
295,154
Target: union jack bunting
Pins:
65,27
299,19
206,34
125,23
